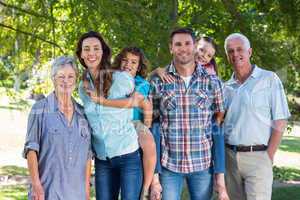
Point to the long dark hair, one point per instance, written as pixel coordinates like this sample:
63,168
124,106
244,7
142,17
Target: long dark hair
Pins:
143,62
103,80
214,45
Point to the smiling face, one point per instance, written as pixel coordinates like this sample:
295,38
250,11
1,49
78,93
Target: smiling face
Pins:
130,63
238,55
182,48
205,52
91,53
65,79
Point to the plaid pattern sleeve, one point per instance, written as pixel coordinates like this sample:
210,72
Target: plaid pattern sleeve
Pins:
154,95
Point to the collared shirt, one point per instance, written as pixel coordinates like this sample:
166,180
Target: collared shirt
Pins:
143,87
186,117
113,131
252,106
63,149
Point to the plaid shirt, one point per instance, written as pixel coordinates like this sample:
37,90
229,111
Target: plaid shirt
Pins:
186,118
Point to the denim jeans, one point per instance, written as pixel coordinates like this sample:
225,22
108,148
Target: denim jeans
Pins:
200,184
123,172
156,134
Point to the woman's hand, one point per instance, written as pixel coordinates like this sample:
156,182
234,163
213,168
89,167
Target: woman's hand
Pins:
220,188
137,99
164,76
38,191
94,97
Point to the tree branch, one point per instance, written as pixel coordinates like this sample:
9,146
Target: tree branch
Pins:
32,35
30,12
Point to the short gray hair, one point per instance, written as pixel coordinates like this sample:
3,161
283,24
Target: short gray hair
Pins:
239,36
60,62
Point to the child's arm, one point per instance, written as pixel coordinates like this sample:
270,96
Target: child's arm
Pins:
163,75
130,102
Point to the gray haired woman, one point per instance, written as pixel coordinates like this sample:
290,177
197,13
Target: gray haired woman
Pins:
58,141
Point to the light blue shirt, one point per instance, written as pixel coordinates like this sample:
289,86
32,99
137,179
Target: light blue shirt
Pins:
113,131
143,87
252,106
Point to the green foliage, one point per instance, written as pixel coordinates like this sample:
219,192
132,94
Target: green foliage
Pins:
32,33
18,192
13,170
286,173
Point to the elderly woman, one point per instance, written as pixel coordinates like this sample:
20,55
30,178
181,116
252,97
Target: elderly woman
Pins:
58,141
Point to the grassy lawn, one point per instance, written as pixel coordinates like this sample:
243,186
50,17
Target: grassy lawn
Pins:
290,144
19,192
13,192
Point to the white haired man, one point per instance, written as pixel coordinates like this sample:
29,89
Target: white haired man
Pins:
256,115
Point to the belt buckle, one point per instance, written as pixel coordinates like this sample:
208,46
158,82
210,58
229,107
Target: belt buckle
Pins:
251,148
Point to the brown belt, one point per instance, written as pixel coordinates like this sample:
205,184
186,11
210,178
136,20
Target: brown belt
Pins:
251,148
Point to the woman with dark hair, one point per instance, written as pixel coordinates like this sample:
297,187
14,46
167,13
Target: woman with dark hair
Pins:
115,142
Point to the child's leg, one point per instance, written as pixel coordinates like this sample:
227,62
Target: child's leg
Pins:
148,146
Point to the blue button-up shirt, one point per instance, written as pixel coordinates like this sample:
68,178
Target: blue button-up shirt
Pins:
252,106
113,131
63,149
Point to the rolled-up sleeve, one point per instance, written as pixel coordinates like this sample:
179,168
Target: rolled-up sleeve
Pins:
34,131
122,85
279,105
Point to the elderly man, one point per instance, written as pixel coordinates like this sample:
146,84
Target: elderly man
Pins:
256,117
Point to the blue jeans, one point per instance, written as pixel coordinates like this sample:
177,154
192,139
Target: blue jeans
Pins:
200,184
156,134
123,172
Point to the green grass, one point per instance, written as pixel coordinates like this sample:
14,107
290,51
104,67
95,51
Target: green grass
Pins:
13,170
290,144
13,192
286,193
286,173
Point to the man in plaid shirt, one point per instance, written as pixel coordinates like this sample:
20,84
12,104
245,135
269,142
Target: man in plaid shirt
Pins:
185,108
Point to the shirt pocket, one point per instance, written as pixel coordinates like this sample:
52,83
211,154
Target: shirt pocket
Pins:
84,130
200,100
259,98
201,111
169,101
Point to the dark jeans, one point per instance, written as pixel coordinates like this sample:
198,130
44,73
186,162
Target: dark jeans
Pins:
123,172
156,134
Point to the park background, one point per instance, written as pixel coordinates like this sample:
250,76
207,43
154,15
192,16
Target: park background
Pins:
33,32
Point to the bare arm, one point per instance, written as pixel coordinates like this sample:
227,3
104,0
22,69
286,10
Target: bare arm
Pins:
130,102
37,188
275,139
147,108
219,116
163,75
88,177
